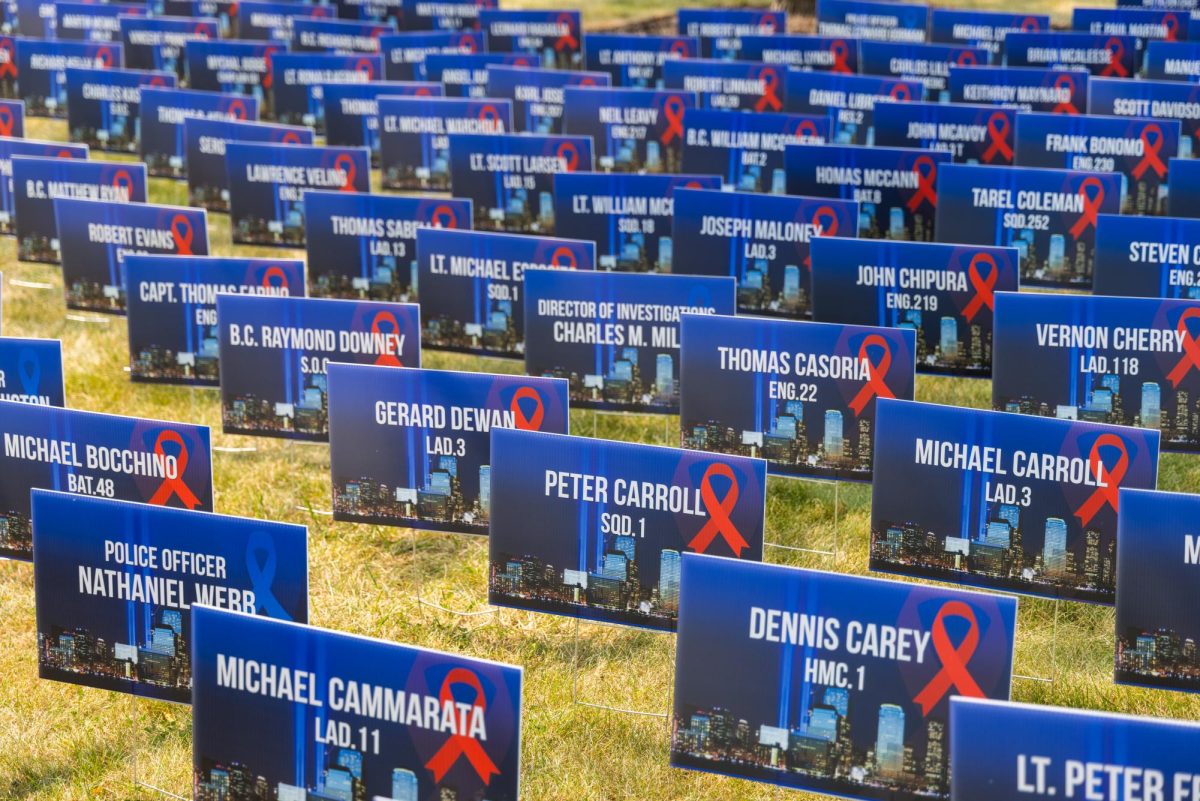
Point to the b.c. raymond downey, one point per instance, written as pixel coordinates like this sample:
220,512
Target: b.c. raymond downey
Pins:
348,696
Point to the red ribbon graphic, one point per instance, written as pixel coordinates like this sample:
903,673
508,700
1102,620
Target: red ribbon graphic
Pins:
489,112
123,180
954,673
466,43
1110,493
181,232
364,65
157,81
462,744
269,77
1191,348
443,217
564,258
673,110
767,24
1030,25
1091,205
8,62
806,128
568,152
534,421
926,183
770,94
827,219
900,92
237,109
567,41
1116,52
998,127
966,58
174,486
719,521
104,56
1152,142
7,120
275,272
345,162
983,286
876,384
680,48
1171,24
290,138
389,359
841,52
423,92
1065,107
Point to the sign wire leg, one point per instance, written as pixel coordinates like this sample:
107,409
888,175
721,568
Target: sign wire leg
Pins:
298,469
135,704
491,610
622,710
818,551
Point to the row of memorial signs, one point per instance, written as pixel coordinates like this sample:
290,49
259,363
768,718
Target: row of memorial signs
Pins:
851,686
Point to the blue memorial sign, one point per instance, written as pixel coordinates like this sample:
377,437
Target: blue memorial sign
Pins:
36,18
223,11
730,85
1145,24
472,285
1136,148
92,22
1061,91
1156,589
172,310
615,336
443,15
412,448
337,35
1147,258
635,60
12,118
896,188
970,134
42,68
103,105
388,11
509,178
265,19
115,583
267,185
844,682
1007,501
39,181
1127,361
1100,54
465,74
163,112
1166,100
800,394
450,725
873,19
1072,752
95,236
275,353
364,247
614,518
722,31
849,100
159,43
553,36
1172,61
944,293
762,241
746,150
352,110
981,28
632,130
231,66
414,136
11,147
803,52
31,371
628,216
537,95
204,144
928,64
404,53
1049,215
297,80
105,455
1183,175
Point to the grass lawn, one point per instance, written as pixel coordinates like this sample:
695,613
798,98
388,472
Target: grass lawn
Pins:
63,742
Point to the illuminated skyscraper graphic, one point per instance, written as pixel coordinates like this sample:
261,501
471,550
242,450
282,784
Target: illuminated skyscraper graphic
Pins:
668,579
1151,411
834,441
949,339
889,740
664,374
404,785
1054,551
